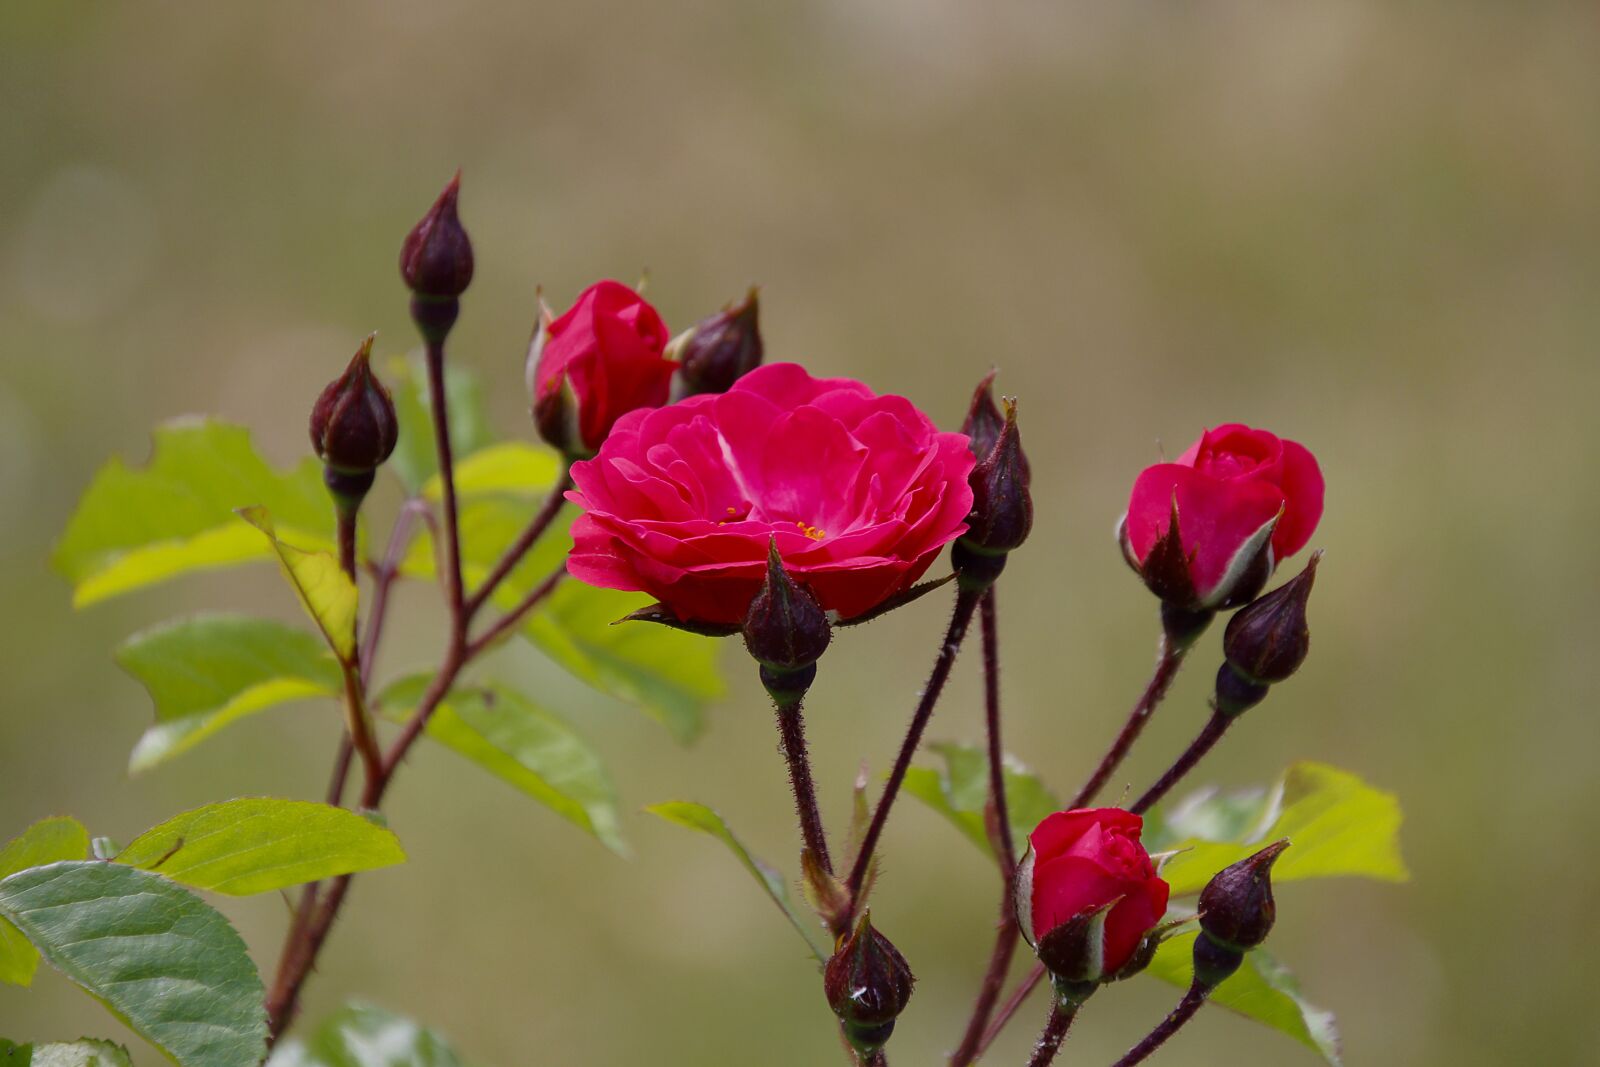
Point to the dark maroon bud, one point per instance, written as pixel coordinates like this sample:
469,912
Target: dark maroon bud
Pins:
1214,962
436,259
719,350
868,984
1236,906
1166,568
1075,951
353,424
1002,507
1268,639
984,420
786,630
1235,693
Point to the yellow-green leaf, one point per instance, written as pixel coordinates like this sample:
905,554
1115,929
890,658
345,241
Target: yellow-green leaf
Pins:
135,527
512,468
324,589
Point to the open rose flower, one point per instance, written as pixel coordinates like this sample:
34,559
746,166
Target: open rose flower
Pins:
594,364
860,490
1077,863
1245,500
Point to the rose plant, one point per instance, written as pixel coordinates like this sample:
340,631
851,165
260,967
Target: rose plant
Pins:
712,496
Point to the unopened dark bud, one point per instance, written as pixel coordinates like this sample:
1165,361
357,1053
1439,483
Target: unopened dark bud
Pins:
1002,507
984,420
436,259
786,630
1235,693
1214,962
1268,639
868,984
719,350
353,424
1236,906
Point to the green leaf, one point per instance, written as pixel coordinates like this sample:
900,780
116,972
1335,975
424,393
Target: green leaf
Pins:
46,841
84,1052
324,589
161,959
488,526
1261,989
360,1035
134,528
699,817
1336,823
511,468
206,672
960,791
516,740
670,675
415,458
258,844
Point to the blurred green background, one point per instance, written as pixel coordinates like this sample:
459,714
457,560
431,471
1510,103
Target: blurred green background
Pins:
1371,227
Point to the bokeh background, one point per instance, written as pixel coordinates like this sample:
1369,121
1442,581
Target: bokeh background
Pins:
1371,227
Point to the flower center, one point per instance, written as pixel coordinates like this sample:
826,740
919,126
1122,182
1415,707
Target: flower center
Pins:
811,531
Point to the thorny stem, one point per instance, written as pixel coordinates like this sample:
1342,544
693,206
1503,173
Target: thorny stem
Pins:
1204,741
447,478
1055,1032
1009,1008
792,731
519,548
1170,659
1005,850
1185,1011
966,602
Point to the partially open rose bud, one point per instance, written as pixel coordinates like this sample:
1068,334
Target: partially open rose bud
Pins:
1242,501
594,364
868,984
1087,893
719,350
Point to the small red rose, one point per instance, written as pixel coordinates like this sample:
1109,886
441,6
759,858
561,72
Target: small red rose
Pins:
860,491
1242,497
1079,862
597,362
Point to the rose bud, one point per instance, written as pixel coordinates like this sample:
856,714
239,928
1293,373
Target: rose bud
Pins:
1087,893
1002,507
787,631
594,364
1265,643
436,258
1242,501
353,426
719,350
868,984
861,490
984,419
1236,914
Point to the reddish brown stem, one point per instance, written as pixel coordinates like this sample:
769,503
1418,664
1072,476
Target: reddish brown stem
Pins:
792,731
1203,743
1009,1008
519,548
1055,1032
1171,658
1191,1002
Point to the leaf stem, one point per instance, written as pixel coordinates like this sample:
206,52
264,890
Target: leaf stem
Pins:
1169,659
1005,849
1191,1002
960,617
1203,743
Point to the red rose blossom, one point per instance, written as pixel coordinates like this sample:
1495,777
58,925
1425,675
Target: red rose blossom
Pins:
1079,861
599,361
860,490
1235,488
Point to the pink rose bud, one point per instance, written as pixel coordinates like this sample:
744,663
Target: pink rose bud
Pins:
719,350
1087,893
861,492
787,631
353,426
436,258
595,364
1265,643
1242,501
1236,914
868,984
